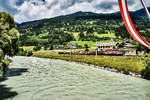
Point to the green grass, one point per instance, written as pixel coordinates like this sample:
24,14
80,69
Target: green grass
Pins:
125,64
90,43
60,50
110,35
27,47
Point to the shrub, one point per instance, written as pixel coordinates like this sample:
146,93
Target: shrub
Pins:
146,71
4,66
24,53
1,71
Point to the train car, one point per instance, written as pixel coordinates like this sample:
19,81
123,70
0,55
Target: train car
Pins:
113,52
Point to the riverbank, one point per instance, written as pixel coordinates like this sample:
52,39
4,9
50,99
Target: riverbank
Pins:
126,65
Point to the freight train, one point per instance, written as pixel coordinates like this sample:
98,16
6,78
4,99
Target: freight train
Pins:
127,52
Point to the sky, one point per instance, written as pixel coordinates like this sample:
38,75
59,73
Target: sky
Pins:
29,10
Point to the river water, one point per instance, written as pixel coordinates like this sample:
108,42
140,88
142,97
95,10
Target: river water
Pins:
31,78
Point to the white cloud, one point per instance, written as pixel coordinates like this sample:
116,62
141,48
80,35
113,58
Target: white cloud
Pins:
37,9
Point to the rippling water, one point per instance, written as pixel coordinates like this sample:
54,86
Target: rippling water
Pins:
45,79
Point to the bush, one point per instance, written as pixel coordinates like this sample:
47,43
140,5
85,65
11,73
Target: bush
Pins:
29,53
24,53
1,71
4,66
146,71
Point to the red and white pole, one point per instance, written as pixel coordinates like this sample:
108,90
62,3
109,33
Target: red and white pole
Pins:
129,24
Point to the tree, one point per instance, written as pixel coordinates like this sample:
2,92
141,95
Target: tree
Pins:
81,36
9,37
86,47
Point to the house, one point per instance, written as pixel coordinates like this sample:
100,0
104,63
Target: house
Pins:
130,52
129,49
42,48
71,46
125,49
128,45
106,46
58,47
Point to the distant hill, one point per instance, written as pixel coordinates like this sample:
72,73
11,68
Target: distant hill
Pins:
86,15
79,26
75,16
140,13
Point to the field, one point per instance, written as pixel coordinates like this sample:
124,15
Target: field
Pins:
110,35
89,43
27,47
60,50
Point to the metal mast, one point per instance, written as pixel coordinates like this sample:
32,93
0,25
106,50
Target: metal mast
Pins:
146,10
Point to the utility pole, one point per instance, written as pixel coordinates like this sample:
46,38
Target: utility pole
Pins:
96,47
146,10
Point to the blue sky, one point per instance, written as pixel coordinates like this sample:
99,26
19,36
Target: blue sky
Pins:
28,10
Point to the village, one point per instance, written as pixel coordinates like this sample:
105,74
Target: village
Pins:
109,49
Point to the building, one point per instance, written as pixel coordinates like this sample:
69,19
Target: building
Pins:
130,52
128,45
125,49
106,46
71,46
58,47
129,49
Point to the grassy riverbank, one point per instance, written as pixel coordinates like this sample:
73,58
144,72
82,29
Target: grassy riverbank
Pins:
125,64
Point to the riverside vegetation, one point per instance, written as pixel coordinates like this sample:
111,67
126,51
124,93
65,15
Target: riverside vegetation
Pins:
126,65
9,40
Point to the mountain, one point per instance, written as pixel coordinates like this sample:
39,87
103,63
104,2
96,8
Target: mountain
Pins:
75,16
79,26
86,15
139,13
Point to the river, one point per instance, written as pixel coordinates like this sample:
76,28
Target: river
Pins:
31,78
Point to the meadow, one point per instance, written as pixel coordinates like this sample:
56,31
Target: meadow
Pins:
89,43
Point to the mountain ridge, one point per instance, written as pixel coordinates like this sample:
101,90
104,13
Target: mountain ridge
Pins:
91,15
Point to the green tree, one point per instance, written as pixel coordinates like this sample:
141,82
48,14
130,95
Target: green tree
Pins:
81,36
9,37
86,47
